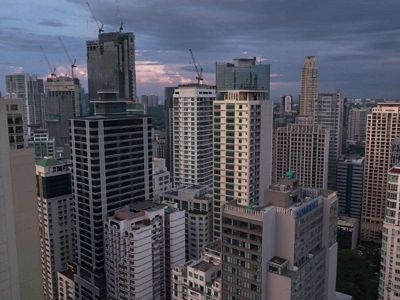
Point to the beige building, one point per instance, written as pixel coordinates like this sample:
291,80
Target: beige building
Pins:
309,86
20,271
242,149
66,286
302,147
382,128
285,249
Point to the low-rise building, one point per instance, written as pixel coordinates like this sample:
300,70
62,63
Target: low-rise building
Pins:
348,232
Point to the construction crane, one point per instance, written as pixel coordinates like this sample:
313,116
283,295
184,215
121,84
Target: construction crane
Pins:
52,74
100,28
73,64
121,23
199,73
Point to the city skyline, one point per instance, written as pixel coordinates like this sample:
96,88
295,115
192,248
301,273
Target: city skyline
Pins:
359,35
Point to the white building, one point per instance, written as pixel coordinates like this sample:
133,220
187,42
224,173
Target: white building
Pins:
66,286
242,145
55,215
135,240
199,279
192,135
42,144
389,283
197,202
161,178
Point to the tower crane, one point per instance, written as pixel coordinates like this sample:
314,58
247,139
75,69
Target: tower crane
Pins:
199,73
53,74
121,23
100,28
73,64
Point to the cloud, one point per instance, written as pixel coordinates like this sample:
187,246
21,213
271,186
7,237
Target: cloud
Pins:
155,72
51,23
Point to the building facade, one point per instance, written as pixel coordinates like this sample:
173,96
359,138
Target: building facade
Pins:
357,124
42,144
382,129
349,185
285,104
14,113
111,64
348,230
66,286
309,86
161,178
242,149
192,135
302,147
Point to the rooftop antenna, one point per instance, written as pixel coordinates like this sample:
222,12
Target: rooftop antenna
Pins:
199,73
100,28
121,23
73,64
52,74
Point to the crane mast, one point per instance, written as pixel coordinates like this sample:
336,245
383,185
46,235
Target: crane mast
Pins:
94,17
199,73
52,74
73,64
121,23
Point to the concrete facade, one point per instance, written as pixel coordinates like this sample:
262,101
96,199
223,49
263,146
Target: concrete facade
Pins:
14,113
161,178
357,125
309,86
66,286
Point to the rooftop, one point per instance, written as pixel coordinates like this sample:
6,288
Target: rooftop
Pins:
68,273
203,266
214,245
48,162
278,260
347,221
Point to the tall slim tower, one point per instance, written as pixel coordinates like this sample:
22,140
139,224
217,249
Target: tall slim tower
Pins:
112,167
309,86
31,90
242,149
382,128
192,135
111,64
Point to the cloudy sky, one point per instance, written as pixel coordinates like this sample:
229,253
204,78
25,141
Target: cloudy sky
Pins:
356,42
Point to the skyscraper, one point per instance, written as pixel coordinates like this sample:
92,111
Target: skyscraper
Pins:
309,86
31,90
111,64
192,135
328,112
357,124
242,149
243,74
112,165
302,147
382,128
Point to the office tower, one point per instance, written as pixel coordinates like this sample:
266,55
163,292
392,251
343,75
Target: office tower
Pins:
357,124
111,64
243,74
20,272
302,147
309,86
111,154
285,249
30,89
200,278
42,144
197,202
285,104
66,286
328,112
347,232
192,135
55,214
135,240
14,113
382,128
390,258
242,149
161,178
349,185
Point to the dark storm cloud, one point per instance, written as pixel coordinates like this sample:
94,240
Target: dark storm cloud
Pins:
52,23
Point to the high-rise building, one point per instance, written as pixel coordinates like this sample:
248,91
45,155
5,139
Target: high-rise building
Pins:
302,147
66,286
161,138
382,128
349,185
55,214
161,178
328,112
169,122
150,100
243,74
20,270
395,152
111,64
135,243
197,202
192,135
390,255
348,230
14,113
242,149
111,155
309,86
42,144
285,104
357,124
30,89
285,249
200,278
